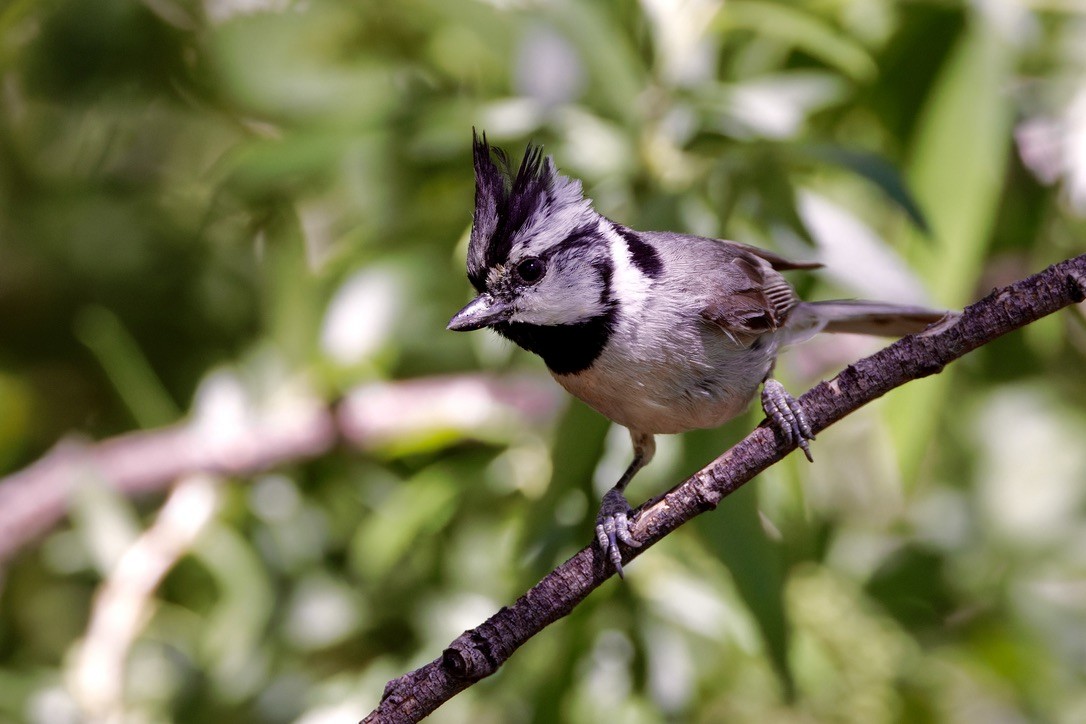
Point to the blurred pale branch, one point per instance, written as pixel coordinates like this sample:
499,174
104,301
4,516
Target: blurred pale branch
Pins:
125,602
36,498
479,652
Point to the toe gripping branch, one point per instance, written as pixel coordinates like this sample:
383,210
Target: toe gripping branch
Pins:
613,525
787,416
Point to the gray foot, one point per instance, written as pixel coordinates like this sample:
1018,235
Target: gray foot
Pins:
787,415
612,525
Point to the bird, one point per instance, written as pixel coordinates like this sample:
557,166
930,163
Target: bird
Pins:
661,332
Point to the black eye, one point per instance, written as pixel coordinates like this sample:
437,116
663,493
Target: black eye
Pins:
531,270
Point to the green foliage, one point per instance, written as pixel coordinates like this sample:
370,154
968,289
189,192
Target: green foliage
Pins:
233,203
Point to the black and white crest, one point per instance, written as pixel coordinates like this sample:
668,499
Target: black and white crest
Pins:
512,208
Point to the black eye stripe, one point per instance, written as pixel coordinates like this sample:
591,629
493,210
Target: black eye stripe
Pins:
585,235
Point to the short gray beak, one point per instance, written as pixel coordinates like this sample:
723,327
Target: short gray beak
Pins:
480,312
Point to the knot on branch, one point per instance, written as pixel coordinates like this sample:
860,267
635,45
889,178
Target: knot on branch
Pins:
469,657
927,368
706,495
1077,283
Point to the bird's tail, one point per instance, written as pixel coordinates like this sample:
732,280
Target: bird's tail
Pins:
859,316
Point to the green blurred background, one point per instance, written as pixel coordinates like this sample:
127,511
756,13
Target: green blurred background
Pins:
207,206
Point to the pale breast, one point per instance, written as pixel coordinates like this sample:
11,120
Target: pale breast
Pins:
697,379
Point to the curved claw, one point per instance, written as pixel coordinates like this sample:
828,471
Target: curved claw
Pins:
612,526
787,416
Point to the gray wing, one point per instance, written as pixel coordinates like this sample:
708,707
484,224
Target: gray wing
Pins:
751,299
778,263
735,287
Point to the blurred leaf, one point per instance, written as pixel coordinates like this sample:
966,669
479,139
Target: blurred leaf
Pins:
802,28
876,169
911,585
619,74
235,627
293,307
130,372
855,256
776,194
298,67
774,106
263,169
734,534
416,509
16,404
959,153
576,450
83,52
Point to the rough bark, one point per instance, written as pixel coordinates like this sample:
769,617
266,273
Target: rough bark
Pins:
478,653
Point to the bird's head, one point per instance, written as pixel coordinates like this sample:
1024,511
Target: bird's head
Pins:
538,256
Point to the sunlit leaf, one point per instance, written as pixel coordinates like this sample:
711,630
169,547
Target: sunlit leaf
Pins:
960,151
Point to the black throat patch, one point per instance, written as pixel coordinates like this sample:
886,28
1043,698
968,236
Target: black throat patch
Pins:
565,348
569,348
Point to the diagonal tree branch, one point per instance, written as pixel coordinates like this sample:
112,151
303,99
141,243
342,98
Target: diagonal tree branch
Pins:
478,653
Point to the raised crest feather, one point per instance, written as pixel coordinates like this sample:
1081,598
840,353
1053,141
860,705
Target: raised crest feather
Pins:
506,203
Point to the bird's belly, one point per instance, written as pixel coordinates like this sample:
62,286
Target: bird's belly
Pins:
666,399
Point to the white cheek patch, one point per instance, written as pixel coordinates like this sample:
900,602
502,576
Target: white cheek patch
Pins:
569,298
565,305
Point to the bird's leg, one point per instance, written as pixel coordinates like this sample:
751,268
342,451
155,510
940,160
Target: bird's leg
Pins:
787,415
612,522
